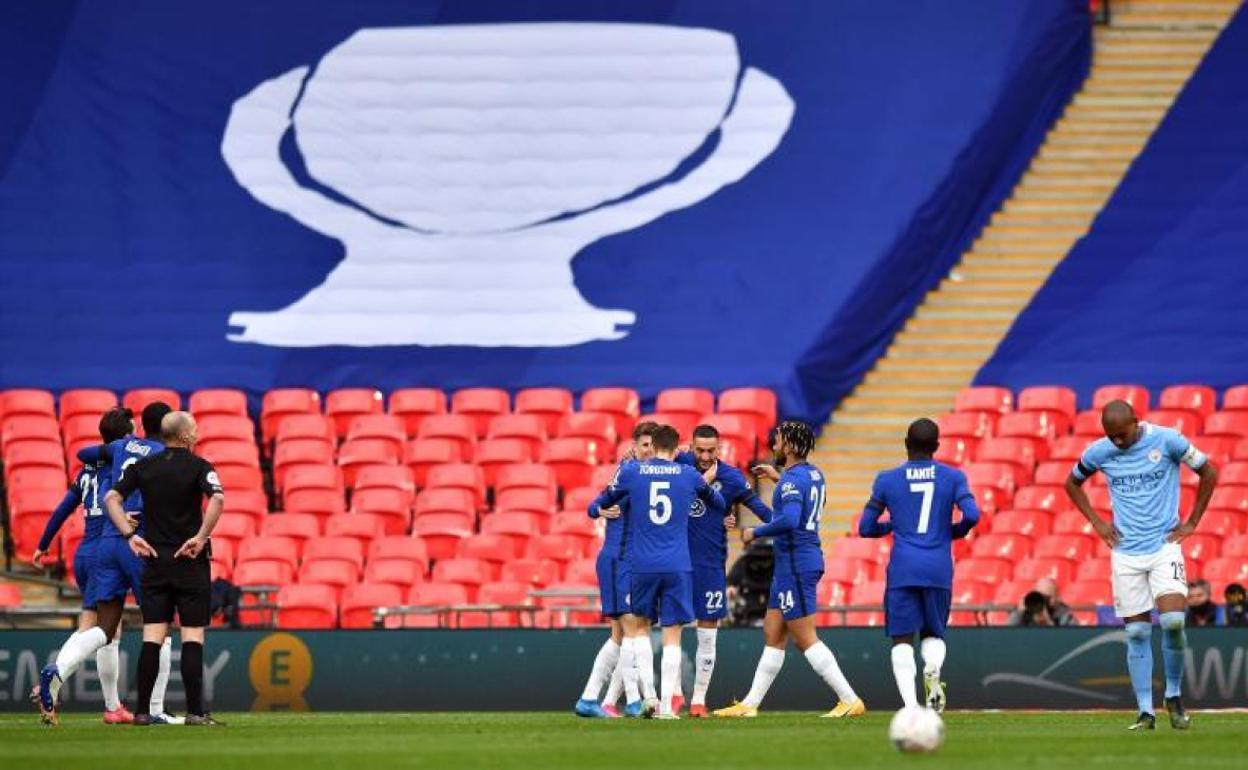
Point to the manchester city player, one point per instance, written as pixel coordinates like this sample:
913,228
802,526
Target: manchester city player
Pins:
708,550
661,494
116,570
1141,462
612,567
920,497
796,503
88,490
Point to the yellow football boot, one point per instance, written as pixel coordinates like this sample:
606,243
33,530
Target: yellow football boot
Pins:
845,710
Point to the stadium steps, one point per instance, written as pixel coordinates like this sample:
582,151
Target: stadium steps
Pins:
1140,64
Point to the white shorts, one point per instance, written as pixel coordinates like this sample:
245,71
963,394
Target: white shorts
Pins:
1139,580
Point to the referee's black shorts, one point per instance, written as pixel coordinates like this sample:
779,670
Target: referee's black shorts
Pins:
184,585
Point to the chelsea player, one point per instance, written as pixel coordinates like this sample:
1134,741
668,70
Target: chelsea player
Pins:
1141,462
88,490
116,570
920,497
612,568
796,504
708,550
661,494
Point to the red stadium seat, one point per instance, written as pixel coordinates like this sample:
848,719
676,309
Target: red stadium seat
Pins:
1055,399
1100,498
984,399
218,401
396,572
622,404
301,476
433,595
572,460
464,476
687,403
329,572
596,427
1099,568
1224,570
37,477
413,405
458,501
81,428
759,404
1071,547
537,573
233,528
1135,395
229,452
1203,546
466,572
868,549
1071,523
577,525
397,477
578,499
526,499
550,404
830,593
360,600
956,450
970,592
495,548
281,403
1021,453
866,594
307,606
1233,474
358,453
1008,546
423,454
321,502
441,533
1061,570
379,427
1233,424
1230,498
345,404
1087,424
1037,426
26,427
482,405
273,574
27,402
994,475
849,571
299,527
527,476
976,425
602,478
494,453
306,439
1030,523
560,548
682,422
1036,498
733,428
983,570
344,549
582,572
240,477
34,454
455,427
503,593
1235,399
529,428
1235,545
391,505
407,549
1223,522
518,528
250,502
1052,473
557,611
29,510
363,527
282,550
1097,592
84,402
1182,420
136,400
1200,399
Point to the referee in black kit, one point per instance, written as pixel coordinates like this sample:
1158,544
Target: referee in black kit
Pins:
176,569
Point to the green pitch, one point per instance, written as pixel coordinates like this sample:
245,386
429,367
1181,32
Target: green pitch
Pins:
529,740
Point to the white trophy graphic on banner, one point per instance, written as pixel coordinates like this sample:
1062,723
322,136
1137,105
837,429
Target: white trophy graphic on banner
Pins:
470,164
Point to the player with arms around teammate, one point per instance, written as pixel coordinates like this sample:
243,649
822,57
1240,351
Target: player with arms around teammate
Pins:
794,529
88,490
661,494
708,549
115,570
613,587
920,497
1141,462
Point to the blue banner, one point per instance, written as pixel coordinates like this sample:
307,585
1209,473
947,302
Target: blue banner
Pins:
437,192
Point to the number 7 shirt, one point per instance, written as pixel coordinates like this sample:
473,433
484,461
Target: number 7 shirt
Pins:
661,493
920,497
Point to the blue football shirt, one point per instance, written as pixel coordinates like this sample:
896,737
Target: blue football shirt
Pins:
797,503
920,497
708,540
1143,483
124,453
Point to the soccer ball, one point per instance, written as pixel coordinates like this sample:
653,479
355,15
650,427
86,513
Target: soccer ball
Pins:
916,730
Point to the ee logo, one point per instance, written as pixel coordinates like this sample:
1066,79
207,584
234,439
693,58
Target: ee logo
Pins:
280,670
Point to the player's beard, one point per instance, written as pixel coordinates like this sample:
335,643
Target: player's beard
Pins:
778,459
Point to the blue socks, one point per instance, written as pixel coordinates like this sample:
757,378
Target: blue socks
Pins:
1140,663
1173,644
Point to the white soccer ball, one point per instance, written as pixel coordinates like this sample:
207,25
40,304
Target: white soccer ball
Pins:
916,730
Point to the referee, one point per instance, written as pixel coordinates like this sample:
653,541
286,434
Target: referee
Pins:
174,544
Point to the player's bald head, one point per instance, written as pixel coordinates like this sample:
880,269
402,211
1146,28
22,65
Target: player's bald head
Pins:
922,438
1120,423
178,428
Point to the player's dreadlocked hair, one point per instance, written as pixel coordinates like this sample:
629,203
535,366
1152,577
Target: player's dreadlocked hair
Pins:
798,436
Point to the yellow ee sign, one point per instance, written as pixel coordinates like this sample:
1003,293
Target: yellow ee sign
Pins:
280,669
